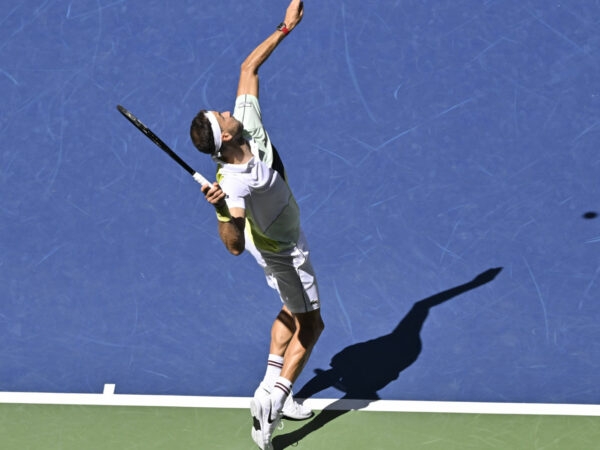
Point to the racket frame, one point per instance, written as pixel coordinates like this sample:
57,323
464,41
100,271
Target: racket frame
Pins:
164,147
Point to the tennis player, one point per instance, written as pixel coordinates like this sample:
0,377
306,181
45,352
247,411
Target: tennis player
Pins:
257,212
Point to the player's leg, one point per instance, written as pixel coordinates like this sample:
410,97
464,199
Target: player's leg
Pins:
268,410
309,327
282,331
293,277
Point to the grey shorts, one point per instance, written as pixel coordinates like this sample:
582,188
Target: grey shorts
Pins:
292,275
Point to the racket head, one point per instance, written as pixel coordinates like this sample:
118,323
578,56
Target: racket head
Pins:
138,124
130,117
154,138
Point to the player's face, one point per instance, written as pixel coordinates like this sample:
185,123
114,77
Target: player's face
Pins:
229,124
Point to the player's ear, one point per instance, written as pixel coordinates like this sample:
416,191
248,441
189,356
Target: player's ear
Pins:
226,137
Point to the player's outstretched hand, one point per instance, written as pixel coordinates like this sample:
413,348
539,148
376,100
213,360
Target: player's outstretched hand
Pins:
293,14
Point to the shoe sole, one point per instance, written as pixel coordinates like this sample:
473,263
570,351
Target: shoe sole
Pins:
294,414
257,435
257,411
298,418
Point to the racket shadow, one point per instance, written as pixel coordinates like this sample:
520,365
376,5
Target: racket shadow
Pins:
362,369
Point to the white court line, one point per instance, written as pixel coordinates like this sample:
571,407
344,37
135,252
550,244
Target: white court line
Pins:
108,398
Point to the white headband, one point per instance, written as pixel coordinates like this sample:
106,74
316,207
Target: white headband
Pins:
216,129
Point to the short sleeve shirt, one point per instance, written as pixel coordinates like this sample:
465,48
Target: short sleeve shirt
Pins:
271,210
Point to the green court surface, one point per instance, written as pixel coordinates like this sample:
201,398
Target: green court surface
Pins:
47,427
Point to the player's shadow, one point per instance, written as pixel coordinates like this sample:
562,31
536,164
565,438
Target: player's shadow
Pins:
362,369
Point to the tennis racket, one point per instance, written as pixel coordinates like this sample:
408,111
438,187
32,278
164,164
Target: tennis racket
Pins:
154,138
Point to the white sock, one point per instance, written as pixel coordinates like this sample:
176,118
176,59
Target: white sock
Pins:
274,365
281,390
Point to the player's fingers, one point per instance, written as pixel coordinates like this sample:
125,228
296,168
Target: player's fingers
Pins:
215,194
219,199
207,189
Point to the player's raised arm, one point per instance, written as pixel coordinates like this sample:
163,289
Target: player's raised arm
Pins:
248,83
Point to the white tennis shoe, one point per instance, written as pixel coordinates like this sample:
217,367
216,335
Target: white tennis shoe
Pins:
291,408
265,421
294,410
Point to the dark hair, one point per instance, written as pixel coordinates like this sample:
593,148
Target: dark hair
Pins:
201,134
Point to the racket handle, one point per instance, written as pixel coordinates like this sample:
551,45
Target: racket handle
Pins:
200,179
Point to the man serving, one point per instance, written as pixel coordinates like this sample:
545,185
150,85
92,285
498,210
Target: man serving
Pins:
257,212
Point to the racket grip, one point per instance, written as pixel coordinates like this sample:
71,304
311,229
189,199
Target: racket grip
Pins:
201,180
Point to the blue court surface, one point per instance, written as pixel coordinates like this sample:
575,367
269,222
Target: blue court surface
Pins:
444,155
